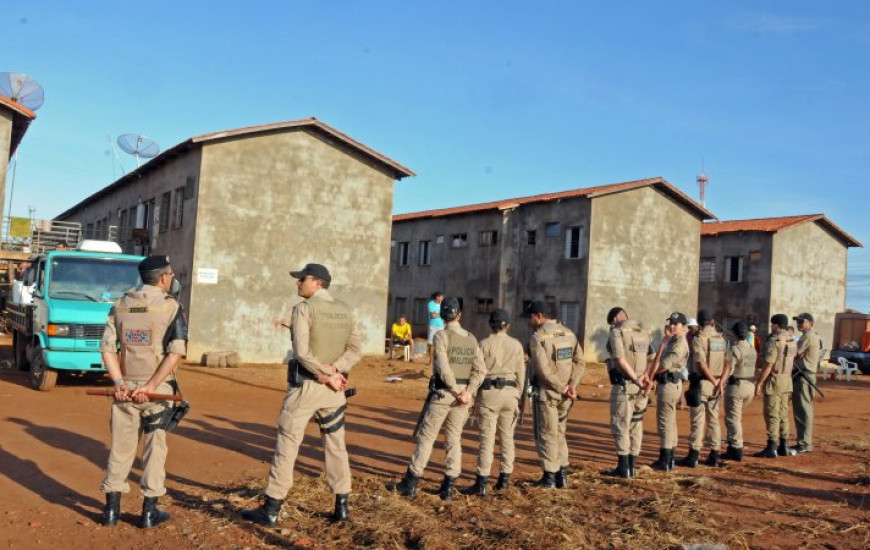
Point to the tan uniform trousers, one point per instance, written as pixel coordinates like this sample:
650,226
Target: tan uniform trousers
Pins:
300,404
777,394
704,427
452,416
125,421
802,401
626,420
667,397
552,443
737,397
498,409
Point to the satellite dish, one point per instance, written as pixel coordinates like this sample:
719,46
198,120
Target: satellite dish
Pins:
139,146
22,89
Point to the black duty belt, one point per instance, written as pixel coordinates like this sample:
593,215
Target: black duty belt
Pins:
435,383
736,379
297,374
668,377
498,383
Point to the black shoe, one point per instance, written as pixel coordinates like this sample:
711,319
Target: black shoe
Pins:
690,460
341,511
800,449
663,464
504,481
713,459
267,514
407,487
671,462
733,453
479,487
562,478
783,449
112,511
446,489
151,514
767,452
632,473
622,467
547,481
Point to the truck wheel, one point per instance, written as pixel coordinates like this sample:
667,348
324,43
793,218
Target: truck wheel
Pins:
20,349
41,377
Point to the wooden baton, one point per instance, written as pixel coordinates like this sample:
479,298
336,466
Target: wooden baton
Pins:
151,396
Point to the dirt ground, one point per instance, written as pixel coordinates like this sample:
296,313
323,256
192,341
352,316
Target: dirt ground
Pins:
53,448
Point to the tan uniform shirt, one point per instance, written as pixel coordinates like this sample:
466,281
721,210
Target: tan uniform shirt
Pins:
441,364
675,354
616,344
301,323
557,359
503,357
809,350
774,347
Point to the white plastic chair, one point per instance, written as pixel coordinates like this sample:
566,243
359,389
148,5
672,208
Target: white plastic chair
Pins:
847,368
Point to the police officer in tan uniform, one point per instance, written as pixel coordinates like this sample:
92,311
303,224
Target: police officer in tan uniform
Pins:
149,325
498,401
709,358
557,366
740,389
666,371
809,350
630,352
457,372
326,345
776,384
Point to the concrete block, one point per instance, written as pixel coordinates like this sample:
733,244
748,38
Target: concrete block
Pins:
221,359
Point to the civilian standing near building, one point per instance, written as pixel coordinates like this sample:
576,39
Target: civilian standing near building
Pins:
557,365
436,323
498,401
670,360
457,372
776,384
706,387
740,389
149,325
809,350
630,352
326,345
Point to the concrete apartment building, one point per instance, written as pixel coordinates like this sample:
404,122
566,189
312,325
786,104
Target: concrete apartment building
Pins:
236,210
632,244
753,269
14,121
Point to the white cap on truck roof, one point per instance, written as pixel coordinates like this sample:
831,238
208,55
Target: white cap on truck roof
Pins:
109,247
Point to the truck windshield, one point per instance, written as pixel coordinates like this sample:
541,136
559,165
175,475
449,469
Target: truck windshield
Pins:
91,279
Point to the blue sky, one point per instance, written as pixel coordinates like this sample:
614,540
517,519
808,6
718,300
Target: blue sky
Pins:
483,100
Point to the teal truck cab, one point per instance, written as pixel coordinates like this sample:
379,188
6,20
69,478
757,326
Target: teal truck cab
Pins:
58,313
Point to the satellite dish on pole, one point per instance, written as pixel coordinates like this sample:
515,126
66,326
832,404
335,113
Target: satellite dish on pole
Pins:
139,146
22,89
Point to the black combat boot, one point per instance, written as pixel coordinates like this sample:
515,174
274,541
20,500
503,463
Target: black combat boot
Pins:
690,460
663,464
783,449
112,511
767,452
800,449
341,511
671,462
547,481
479,487
267,514
446,490
562,478
407,487
733,453
503,482
632,473
713,459
622,467
151,514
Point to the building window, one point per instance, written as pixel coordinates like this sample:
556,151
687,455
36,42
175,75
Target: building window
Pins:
459,240
165,204
424,256
733,269
439,239
122,222
531,237
421,311
189,186
178,216
574,243
488,238
553,229
484,305
89,231
707,270
570,315
401,304
754,255
403,252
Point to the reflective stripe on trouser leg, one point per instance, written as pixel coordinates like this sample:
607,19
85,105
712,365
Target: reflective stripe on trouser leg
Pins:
429,428
737,397
802,401
667,397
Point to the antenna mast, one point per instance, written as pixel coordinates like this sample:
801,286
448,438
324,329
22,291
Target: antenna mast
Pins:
702,178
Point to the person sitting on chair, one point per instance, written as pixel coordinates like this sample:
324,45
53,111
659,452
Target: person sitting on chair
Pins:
401,332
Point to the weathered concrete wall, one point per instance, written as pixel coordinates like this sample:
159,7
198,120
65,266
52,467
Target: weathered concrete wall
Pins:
809,275
643,257
5,147
748,299
274,202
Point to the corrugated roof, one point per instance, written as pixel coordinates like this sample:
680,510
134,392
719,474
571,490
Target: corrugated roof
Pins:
588,192
772,225
399,171
21,119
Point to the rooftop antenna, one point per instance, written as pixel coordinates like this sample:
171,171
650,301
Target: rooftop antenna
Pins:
702,178
139,146
25,91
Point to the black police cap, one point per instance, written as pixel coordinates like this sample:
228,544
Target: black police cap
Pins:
804,317
538,307
704,317
780,319
611,315
315,270
498,317
450,308
153,263
677,317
